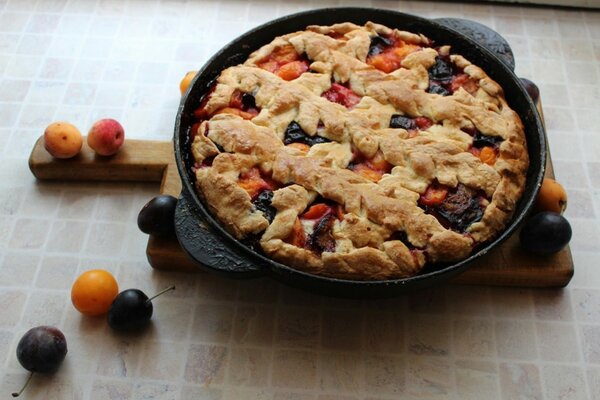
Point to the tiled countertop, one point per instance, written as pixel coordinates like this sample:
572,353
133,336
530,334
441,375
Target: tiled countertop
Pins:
219,339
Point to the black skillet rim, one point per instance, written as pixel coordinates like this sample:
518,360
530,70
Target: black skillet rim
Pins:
273,267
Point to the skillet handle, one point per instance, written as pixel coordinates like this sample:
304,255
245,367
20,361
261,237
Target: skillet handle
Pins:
483,35
207,247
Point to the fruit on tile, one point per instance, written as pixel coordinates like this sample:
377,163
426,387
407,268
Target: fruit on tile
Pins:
62,140
185,82
545,233
157,217
106,137
551,197
532,89
132,309
94,291
41,349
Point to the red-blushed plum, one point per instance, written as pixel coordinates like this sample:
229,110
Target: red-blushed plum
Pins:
106,137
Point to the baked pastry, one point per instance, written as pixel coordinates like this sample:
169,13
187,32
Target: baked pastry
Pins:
359,152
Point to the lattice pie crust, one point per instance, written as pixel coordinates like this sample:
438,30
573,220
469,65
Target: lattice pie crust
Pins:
355,152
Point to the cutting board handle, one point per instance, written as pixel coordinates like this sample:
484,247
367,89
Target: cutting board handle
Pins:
208,248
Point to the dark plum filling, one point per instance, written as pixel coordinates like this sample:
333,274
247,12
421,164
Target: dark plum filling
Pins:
322,214
440,76
295,134
378,45
410,124
461,208
480,140
321,239
263,203
456,209
248,101
442,71
399,121
445,78
438,89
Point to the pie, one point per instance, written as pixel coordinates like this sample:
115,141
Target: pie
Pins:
359,152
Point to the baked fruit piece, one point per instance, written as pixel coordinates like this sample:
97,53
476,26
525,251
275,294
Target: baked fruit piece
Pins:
359,152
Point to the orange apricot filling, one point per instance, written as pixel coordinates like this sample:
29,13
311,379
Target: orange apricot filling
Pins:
254,183
486,154
433,196
373,169
390,58
285,62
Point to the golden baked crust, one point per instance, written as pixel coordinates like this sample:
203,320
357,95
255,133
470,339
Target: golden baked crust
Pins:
377,186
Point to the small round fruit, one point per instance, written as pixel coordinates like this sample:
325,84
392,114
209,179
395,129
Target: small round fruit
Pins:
551,197
185,82
132,309
532,90
94,291
42,349
157,217
62,140
106,137
545,233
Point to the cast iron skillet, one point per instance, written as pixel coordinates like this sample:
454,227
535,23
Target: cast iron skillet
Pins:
204,239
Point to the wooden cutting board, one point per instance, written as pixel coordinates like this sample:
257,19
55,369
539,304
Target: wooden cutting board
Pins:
154,161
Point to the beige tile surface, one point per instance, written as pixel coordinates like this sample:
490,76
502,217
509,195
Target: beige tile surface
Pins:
217,339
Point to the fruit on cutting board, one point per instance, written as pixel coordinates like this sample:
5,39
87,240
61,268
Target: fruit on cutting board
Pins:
132,309
42,349
545,233
93,292
185,82
106,137
62,140
157,217
551,197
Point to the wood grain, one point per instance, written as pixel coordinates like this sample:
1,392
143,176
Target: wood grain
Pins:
137,160
152,161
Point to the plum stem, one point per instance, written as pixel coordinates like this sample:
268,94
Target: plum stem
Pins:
17,394
161,292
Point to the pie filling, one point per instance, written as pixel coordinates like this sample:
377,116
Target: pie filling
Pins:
285,62
386,53
445,78
295,134
404,175
313,229
341,94
455,208
373,168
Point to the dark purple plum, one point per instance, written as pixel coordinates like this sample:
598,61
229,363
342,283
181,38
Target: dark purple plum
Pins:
41,349
132,310
545,233
157,217
532,89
